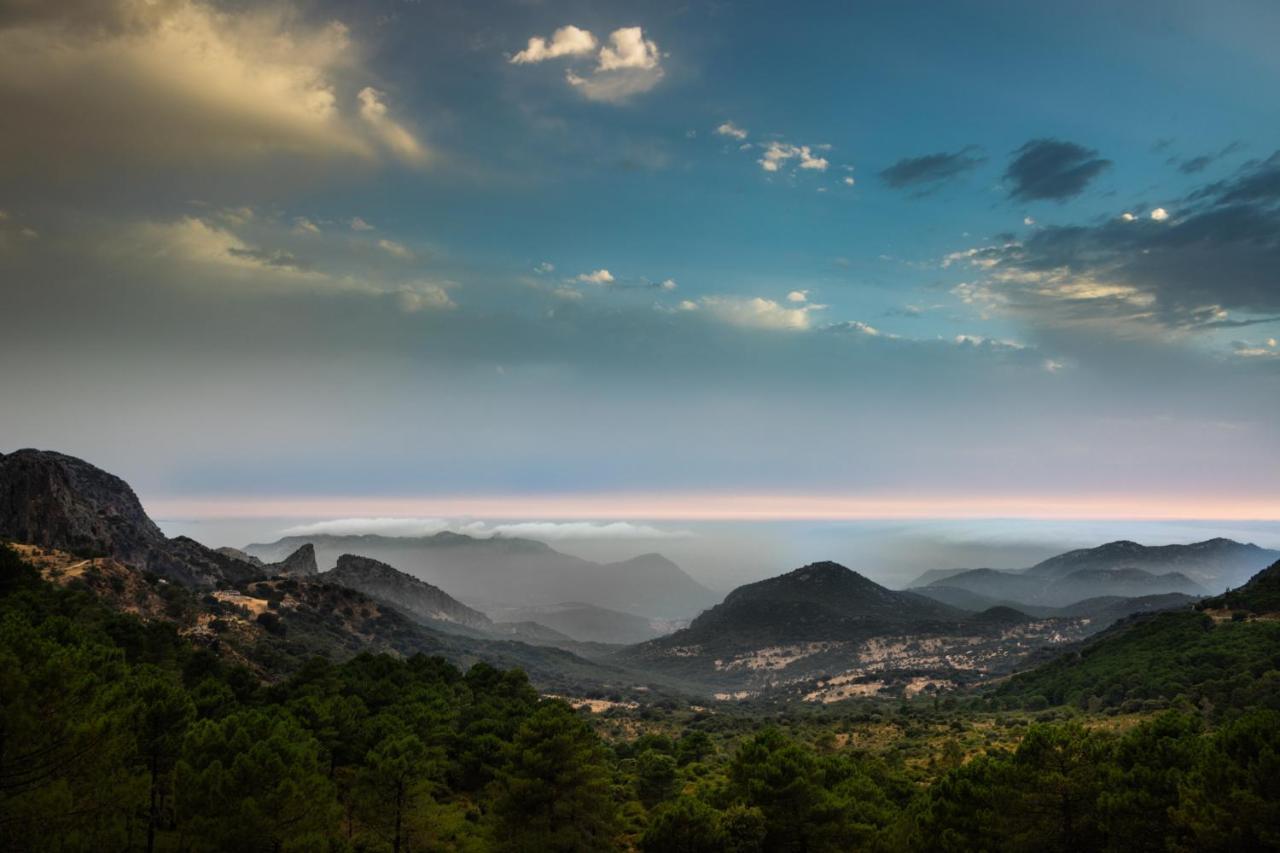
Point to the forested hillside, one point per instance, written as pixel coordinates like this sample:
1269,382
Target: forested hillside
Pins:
118,734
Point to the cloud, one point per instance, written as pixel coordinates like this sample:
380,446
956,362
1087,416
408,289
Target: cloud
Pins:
424,296
627,64
1255,183
931,170
668,284
1195,164
402,143
1220,254
182,82
196,241
358,224
544,267
754,312
237,247
269,258
1052,169
627,49
596,277
395,249
856,327
848,181
731,130
302,225
983,342
553,531
778,154
542,530
614,87
1267,349
566,41
798,296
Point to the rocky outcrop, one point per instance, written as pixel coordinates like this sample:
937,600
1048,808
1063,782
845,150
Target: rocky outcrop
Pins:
237,554
58,501
300,564
406,593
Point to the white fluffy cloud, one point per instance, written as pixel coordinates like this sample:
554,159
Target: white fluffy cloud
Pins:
798,296
597,277
778,154
566,41
628,48
730,129
627,64
184,82
1159,214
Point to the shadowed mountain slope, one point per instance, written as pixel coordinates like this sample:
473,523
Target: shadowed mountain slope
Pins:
500,572
416,598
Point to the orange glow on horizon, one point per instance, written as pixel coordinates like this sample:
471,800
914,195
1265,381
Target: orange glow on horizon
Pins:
726,507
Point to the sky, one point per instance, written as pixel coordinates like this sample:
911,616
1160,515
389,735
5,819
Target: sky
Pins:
647,262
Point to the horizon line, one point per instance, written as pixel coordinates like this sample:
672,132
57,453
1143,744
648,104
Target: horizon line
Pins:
705,506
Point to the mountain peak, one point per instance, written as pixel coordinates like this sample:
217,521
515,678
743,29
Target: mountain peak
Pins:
58,501
301,563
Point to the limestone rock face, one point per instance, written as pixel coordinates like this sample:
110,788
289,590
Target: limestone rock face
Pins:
58,501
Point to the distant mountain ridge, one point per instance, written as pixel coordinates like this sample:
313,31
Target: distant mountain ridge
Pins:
1122,568
1212,561
502,572
588,622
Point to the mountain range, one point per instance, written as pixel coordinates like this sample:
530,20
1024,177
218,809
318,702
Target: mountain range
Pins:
496,572
819,633
1123,568
87,527
824,632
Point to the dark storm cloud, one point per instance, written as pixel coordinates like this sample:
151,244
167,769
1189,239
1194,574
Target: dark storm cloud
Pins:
931,170
1256,182
1197,164
1052,169
1222,250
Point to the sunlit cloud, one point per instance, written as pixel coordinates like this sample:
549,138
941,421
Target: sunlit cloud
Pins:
626,64
185,82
